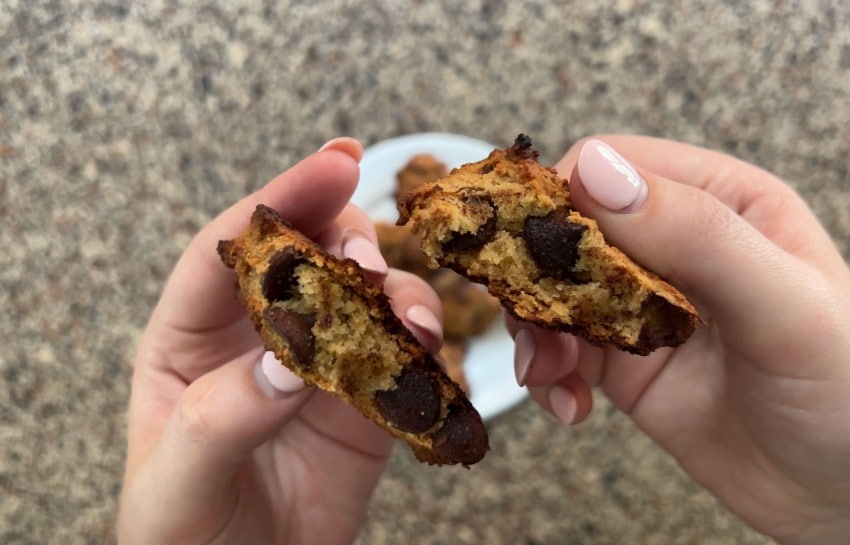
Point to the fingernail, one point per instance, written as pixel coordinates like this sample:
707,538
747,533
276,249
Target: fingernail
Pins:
563,404
366,254
345,144
422,317
609,178
524,348
274,379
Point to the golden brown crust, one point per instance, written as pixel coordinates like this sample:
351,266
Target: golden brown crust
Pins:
326,322
508,222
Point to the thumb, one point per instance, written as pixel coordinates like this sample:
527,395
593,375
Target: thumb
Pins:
685,235
219,420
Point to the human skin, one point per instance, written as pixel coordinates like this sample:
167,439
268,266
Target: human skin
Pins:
755,406
226,445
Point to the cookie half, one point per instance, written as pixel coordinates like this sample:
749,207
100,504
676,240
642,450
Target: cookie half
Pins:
327,323
508,222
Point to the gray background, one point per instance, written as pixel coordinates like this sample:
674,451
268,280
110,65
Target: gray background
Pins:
124,129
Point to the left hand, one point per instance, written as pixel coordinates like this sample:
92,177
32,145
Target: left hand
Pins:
216,453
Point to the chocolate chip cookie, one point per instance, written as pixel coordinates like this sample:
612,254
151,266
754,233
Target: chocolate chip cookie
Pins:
325,321
508,222
420,169
467,309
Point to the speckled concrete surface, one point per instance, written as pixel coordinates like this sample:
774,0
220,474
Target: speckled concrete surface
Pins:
123,129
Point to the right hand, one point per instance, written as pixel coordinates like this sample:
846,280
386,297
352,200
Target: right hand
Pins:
756,405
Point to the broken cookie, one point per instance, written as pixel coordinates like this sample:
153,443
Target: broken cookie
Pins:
508,222
327,323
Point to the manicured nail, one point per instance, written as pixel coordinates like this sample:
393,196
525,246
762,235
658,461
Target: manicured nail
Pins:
357,247
345,144
274,379
422,317
609,178
563,404
524,348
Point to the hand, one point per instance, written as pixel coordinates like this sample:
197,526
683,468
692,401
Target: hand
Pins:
756,405
226,445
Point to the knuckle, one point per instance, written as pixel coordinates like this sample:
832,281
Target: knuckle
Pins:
196,414
714,223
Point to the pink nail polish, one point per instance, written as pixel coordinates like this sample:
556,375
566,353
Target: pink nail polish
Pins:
274,378
345,144
609,178
361,250
524,349
422,317
563,404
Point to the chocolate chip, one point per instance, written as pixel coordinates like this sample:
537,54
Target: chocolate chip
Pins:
267,221
553,241
414,405
522,149
663,325
226,252
487,168
295,329
463,437
280,276
462,242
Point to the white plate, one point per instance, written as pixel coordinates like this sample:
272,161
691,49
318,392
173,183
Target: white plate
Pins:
489,362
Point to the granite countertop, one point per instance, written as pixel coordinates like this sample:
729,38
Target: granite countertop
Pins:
124,128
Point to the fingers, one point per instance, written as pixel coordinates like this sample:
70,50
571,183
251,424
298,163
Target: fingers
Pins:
346,145
569,399
199,294
691,233
547,362
228,412
687,236
417,305
732,181
218,421
750,192
540,356
353,235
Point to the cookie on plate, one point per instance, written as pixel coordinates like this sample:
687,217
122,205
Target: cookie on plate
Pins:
420,169
401,249
468,310
326,322
507,222
452,355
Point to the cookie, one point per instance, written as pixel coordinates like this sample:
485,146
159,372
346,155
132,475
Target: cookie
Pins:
401,249
468,310
452,355
420,169
327,323
508,222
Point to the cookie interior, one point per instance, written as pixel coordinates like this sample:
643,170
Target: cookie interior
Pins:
508,223
331,326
